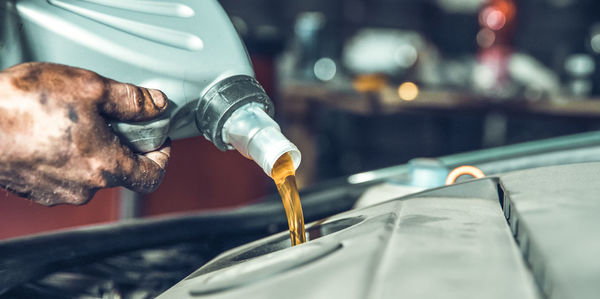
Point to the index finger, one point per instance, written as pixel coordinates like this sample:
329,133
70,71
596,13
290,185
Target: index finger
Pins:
129,103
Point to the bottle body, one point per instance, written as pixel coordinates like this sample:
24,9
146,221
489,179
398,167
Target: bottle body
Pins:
182,48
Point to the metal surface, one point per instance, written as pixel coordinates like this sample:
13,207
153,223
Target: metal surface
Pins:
452,242
554,214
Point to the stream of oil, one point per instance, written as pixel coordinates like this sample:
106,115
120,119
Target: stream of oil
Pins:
284,176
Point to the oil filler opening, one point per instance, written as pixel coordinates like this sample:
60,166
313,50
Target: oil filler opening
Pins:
314,231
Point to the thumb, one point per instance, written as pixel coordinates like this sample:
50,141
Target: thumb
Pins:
130,103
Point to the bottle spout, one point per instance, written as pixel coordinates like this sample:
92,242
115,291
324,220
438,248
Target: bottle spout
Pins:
257,136
234,113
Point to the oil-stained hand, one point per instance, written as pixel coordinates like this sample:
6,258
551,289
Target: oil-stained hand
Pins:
55,144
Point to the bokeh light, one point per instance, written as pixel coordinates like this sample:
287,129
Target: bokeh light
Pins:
492,18
369,83
325,69
408,91
485,38
595,43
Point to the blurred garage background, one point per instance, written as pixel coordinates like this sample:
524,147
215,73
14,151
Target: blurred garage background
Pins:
365,84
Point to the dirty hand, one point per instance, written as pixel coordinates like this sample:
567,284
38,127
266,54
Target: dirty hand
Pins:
55,144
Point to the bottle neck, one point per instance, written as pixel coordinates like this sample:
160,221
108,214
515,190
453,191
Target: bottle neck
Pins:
236,113
222,100
257,136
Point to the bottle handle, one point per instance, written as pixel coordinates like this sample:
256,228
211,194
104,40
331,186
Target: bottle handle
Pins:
145,136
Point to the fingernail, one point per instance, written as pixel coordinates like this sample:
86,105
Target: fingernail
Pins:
159,98
166,149
160,158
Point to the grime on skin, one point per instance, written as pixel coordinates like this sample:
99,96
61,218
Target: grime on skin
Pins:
55,142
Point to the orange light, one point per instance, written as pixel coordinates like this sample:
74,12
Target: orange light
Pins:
496,15
408,91
462,170
371,82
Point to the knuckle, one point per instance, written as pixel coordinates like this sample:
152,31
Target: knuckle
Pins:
89,85
46,201
94,86
41,198
98,180
80,197
85,197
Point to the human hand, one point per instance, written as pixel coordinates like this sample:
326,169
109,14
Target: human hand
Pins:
55,144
